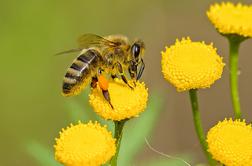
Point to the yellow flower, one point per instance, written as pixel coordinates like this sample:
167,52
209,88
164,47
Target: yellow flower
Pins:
191,65
230,142
231,19
127,102
84,144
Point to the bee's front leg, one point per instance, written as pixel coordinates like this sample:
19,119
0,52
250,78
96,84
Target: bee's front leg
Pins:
142,66
132,69
120,69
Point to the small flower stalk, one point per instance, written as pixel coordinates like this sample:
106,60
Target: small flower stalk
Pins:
233,22
118,135
190,66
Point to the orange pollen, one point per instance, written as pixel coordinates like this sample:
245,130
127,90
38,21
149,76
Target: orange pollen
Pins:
103,82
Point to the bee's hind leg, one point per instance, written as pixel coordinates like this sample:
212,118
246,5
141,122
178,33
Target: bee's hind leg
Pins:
103,84
107,97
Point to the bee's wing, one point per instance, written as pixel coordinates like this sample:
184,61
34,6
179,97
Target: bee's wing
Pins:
89,40
69,51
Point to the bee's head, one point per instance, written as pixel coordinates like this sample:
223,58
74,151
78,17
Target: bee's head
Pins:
137,50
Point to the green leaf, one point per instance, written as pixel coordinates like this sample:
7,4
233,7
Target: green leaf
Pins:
136,130
41,154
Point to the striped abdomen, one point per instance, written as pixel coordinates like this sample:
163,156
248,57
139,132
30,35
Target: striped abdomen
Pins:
80,73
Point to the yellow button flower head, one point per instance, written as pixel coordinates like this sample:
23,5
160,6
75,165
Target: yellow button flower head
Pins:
85,144
191,65
231,19
230,142
127,102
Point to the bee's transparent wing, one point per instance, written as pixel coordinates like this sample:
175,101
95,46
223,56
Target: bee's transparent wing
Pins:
89,40
69,51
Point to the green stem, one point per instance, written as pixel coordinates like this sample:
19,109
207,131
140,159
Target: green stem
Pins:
198,125
233,62
118,136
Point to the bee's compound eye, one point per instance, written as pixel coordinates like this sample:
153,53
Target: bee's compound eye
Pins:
136,50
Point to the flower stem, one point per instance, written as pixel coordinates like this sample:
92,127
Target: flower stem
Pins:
234,44
118,136
198,125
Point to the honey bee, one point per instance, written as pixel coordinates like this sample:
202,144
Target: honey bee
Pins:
111,55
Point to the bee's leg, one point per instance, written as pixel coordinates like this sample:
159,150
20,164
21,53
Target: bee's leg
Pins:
139,74
107,97
113,76
133,71
132,75
94,82
120,69
103,84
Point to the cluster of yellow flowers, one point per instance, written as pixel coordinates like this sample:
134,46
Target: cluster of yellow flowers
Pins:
230,141
92,144
187,65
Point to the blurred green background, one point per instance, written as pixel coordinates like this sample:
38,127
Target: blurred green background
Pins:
32,108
